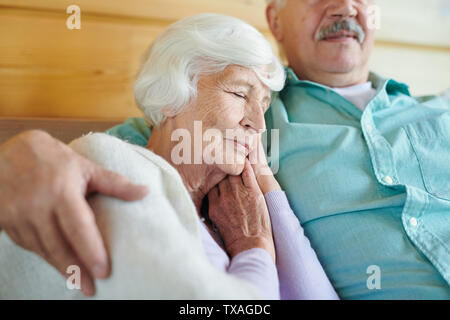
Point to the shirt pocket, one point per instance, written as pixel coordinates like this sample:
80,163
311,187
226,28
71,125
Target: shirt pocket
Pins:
430,140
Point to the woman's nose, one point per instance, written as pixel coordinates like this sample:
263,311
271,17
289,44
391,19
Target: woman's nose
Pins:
254,119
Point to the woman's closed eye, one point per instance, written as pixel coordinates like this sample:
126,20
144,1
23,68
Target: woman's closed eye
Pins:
239,95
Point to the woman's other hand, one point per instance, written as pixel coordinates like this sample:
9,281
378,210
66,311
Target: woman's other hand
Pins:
238,209
262,171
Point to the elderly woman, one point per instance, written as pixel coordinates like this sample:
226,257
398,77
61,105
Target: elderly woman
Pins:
214,225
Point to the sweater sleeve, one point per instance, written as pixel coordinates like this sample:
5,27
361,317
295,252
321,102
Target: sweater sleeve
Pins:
301,276
254,266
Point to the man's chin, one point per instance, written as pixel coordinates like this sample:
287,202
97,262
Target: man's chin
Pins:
340,44
343,62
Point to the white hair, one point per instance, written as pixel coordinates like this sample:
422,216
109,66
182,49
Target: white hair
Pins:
200,44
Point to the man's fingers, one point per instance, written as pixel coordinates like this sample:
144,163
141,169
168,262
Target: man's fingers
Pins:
14,235
28,239
79,228
87,285
115,185
60,255
33,242
86,282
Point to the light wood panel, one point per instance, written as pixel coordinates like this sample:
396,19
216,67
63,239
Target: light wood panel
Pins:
251,11
420,22
47,70
426,71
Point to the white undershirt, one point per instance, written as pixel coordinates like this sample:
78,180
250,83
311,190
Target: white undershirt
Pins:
359,94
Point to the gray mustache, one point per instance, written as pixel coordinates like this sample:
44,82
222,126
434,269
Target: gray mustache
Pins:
347,25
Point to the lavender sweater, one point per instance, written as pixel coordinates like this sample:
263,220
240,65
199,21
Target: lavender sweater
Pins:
298,273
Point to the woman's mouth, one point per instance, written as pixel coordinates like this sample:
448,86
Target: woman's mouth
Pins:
241,146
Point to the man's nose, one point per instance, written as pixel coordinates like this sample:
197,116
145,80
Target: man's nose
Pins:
342,8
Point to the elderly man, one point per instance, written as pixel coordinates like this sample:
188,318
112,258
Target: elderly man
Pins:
365,166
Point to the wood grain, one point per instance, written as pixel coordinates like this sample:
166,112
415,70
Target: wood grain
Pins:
47,70
251,11
419,22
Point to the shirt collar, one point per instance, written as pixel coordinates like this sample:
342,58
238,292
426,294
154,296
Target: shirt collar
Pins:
390,85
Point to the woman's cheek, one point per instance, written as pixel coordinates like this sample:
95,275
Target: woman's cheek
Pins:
234,114
228,119
222,111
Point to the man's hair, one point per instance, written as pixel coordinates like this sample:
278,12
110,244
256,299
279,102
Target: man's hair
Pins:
198,45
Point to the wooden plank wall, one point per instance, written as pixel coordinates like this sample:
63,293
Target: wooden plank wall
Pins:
63,129
413,44
47,70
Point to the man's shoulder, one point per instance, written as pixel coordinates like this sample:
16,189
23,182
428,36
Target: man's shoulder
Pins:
397,88
133,130
438,101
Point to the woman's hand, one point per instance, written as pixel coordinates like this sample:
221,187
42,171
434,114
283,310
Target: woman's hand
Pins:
263,173
238,209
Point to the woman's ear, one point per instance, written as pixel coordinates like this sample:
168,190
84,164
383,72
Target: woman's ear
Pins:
273,20
168,113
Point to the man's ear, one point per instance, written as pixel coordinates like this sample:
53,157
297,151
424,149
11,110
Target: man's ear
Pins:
273,20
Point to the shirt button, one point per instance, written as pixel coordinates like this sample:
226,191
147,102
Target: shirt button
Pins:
369,128
388,180
413,222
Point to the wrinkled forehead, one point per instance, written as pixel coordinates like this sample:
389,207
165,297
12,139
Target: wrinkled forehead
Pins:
322,4
244,76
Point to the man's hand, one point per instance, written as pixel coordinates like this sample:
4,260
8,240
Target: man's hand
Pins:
43,207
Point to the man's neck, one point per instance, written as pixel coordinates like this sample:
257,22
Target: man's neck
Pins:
333,79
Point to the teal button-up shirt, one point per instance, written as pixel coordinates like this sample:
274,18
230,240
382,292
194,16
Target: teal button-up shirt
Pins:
371,189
